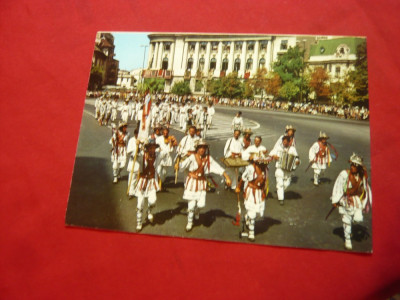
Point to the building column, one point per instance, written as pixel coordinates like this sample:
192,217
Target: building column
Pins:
269,55
243,59
255,58
155,60
184,59
231,59
159,59
196,57
151,50
219,59
207,58
171,56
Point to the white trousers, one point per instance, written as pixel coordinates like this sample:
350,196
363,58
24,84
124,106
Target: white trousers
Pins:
283,180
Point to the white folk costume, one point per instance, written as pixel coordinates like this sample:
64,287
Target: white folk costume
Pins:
353,195
144,129
125,112
283,171
203,123
147,184
182,116
114,107
320,155
211,113
102,111
254,193
108,111
292,139
133,110
196,183
253,149
132,179
187,145
233,148
119,141
97,108
167,146
237,123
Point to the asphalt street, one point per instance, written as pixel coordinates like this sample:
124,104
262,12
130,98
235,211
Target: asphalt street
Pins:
96,202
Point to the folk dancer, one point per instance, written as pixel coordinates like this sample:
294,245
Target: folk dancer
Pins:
132,149
246,139
144,128
255,178
203,121
233,149
167,145
97,108
237,122
147,183
108,111
119,142
211,113
114,107
352,194
102,111
199,165
283,174
289,131
319,156
256,148
125,111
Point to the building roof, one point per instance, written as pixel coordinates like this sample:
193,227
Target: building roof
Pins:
328,47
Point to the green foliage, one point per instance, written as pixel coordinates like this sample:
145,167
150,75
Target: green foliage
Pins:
95,78
181,88
343,92
289,91
154,85
248,92
198,85
229,86
290,65
359,77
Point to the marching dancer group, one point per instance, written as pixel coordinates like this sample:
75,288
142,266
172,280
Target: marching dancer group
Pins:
153,153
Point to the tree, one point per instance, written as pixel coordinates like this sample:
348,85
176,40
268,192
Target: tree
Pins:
181,88
231,86
290,65
248,92
259,81
343,91
359,77
95,78
273,84
319,83
154,85
290,68
289,91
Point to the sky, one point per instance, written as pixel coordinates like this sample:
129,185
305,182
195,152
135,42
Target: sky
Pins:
128,49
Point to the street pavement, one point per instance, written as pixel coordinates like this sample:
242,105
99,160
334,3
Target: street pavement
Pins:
96,202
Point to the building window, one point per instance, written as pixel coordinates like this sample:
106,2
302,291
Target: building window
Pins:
226,46
238,46
250,45
236,67
201,64
165,63
213,64
263,45
224,66
214,46
203,46
284,44
337,71
167,46
261,63
249,64
192,46
189,64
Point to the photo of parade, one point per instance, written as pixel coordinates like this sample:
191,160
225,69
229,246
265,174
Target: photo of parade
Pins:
253,138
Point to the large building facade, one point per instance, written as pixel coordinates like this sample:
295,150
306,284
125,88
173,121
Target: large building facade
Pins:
200,57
